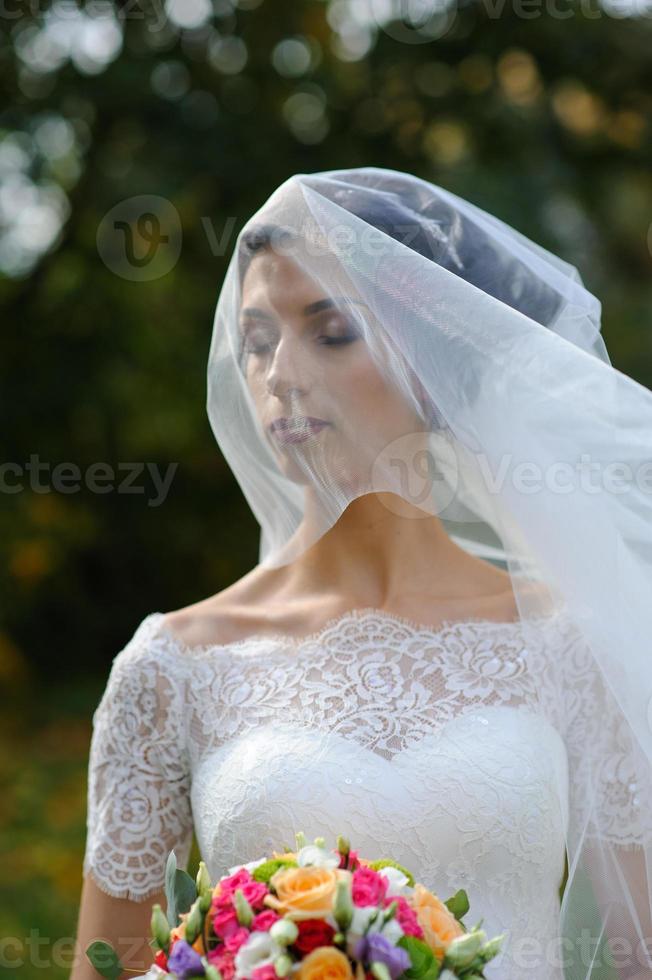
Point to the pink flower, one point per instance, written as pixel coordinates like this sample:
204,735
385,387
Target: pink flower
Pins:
266,972
234,941
368,887
225,922
223,961
406,917
264,921
253,891
237,880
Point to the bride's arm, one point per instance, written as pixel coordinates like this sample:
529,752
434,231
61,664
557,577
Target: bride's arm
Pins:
138,801
119,921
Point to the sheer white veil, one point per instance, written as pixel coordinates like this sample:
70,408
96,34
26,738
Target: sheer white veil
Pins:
497,410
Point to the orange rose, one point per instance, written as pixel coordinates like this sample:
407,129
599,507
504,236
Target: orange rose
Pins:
285,855
179,932
304,893
439,924
325,963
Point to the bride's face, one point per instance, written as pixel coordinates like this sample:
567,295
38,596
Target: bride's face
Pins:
328,411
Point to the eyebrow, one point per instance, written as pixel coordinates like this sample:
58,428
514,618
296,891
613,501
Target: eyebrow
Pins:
309,310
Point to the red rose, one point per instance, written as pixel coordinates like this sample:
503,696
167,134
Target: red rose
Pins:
161,960
313,933
350,861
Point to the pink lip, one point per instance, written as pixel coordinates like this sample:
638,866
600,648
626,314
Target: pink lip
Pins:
296,429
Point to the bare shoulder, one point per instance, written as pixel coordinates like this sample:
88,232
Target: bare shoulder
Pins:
237,611
261,603
535,595
499,596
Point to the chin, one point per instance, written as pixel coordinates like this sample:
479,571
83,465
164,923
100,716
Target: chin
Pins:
294,472
341,483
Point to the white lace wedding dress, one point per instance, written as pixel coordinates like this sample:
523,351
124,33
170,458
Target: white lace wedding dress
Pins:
438,746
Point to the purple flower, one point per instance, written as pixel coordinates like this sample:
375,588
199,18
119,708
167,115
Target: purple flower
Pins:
184,961
375,948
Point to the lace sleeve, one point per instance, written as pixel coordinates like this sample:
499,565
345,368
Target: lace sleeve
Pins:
138,774
609,776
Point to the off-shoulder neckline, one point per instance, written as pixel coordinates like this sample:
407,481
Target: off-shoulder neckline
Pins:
364,615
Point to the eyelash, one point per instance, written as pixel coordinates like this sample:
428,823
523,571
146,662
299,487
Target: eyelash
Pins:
343,339
329,342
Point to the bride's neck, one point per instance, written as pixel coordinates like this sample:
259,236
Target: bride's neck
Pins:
380,550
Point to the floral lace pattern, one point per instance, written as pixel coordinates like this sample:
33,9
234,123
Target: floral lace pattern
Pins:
455,743
475,805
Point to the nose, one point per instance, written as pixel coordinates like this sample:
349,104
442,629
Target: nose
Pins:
287,371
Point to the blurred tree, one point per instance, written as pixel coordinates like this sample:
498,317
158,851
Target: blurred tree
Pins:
541,114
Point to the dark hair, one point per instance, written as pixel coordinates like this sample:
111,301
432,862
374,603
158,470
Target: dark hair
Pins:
431,227
259,238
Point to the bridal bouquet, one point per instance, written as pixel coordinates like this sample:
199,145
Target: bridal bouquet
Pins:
311,914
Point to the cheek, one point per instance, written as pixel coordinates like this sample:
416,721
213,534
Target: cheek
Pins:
259,398
255,383
370,395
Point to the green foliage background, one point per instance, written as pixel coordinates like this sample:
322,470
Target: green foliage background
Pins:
543,120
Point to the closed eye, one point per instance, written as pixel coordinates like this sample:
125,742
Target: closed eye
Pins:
348,331
255,339
251,347
346,339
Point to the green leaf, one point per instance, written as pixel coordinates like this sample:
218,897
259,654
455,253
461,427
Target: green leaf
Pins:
170,872
458,904
185,891
474,969
105,959
265,870
425,965
180,890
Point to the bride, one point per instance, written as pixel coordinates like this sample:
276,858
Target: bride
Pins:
443,653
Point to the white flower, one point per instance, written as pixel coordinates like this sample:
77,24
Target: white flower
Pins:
247,867
362,915
391,931
259,950
359,922
398,882
154,973
317,857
